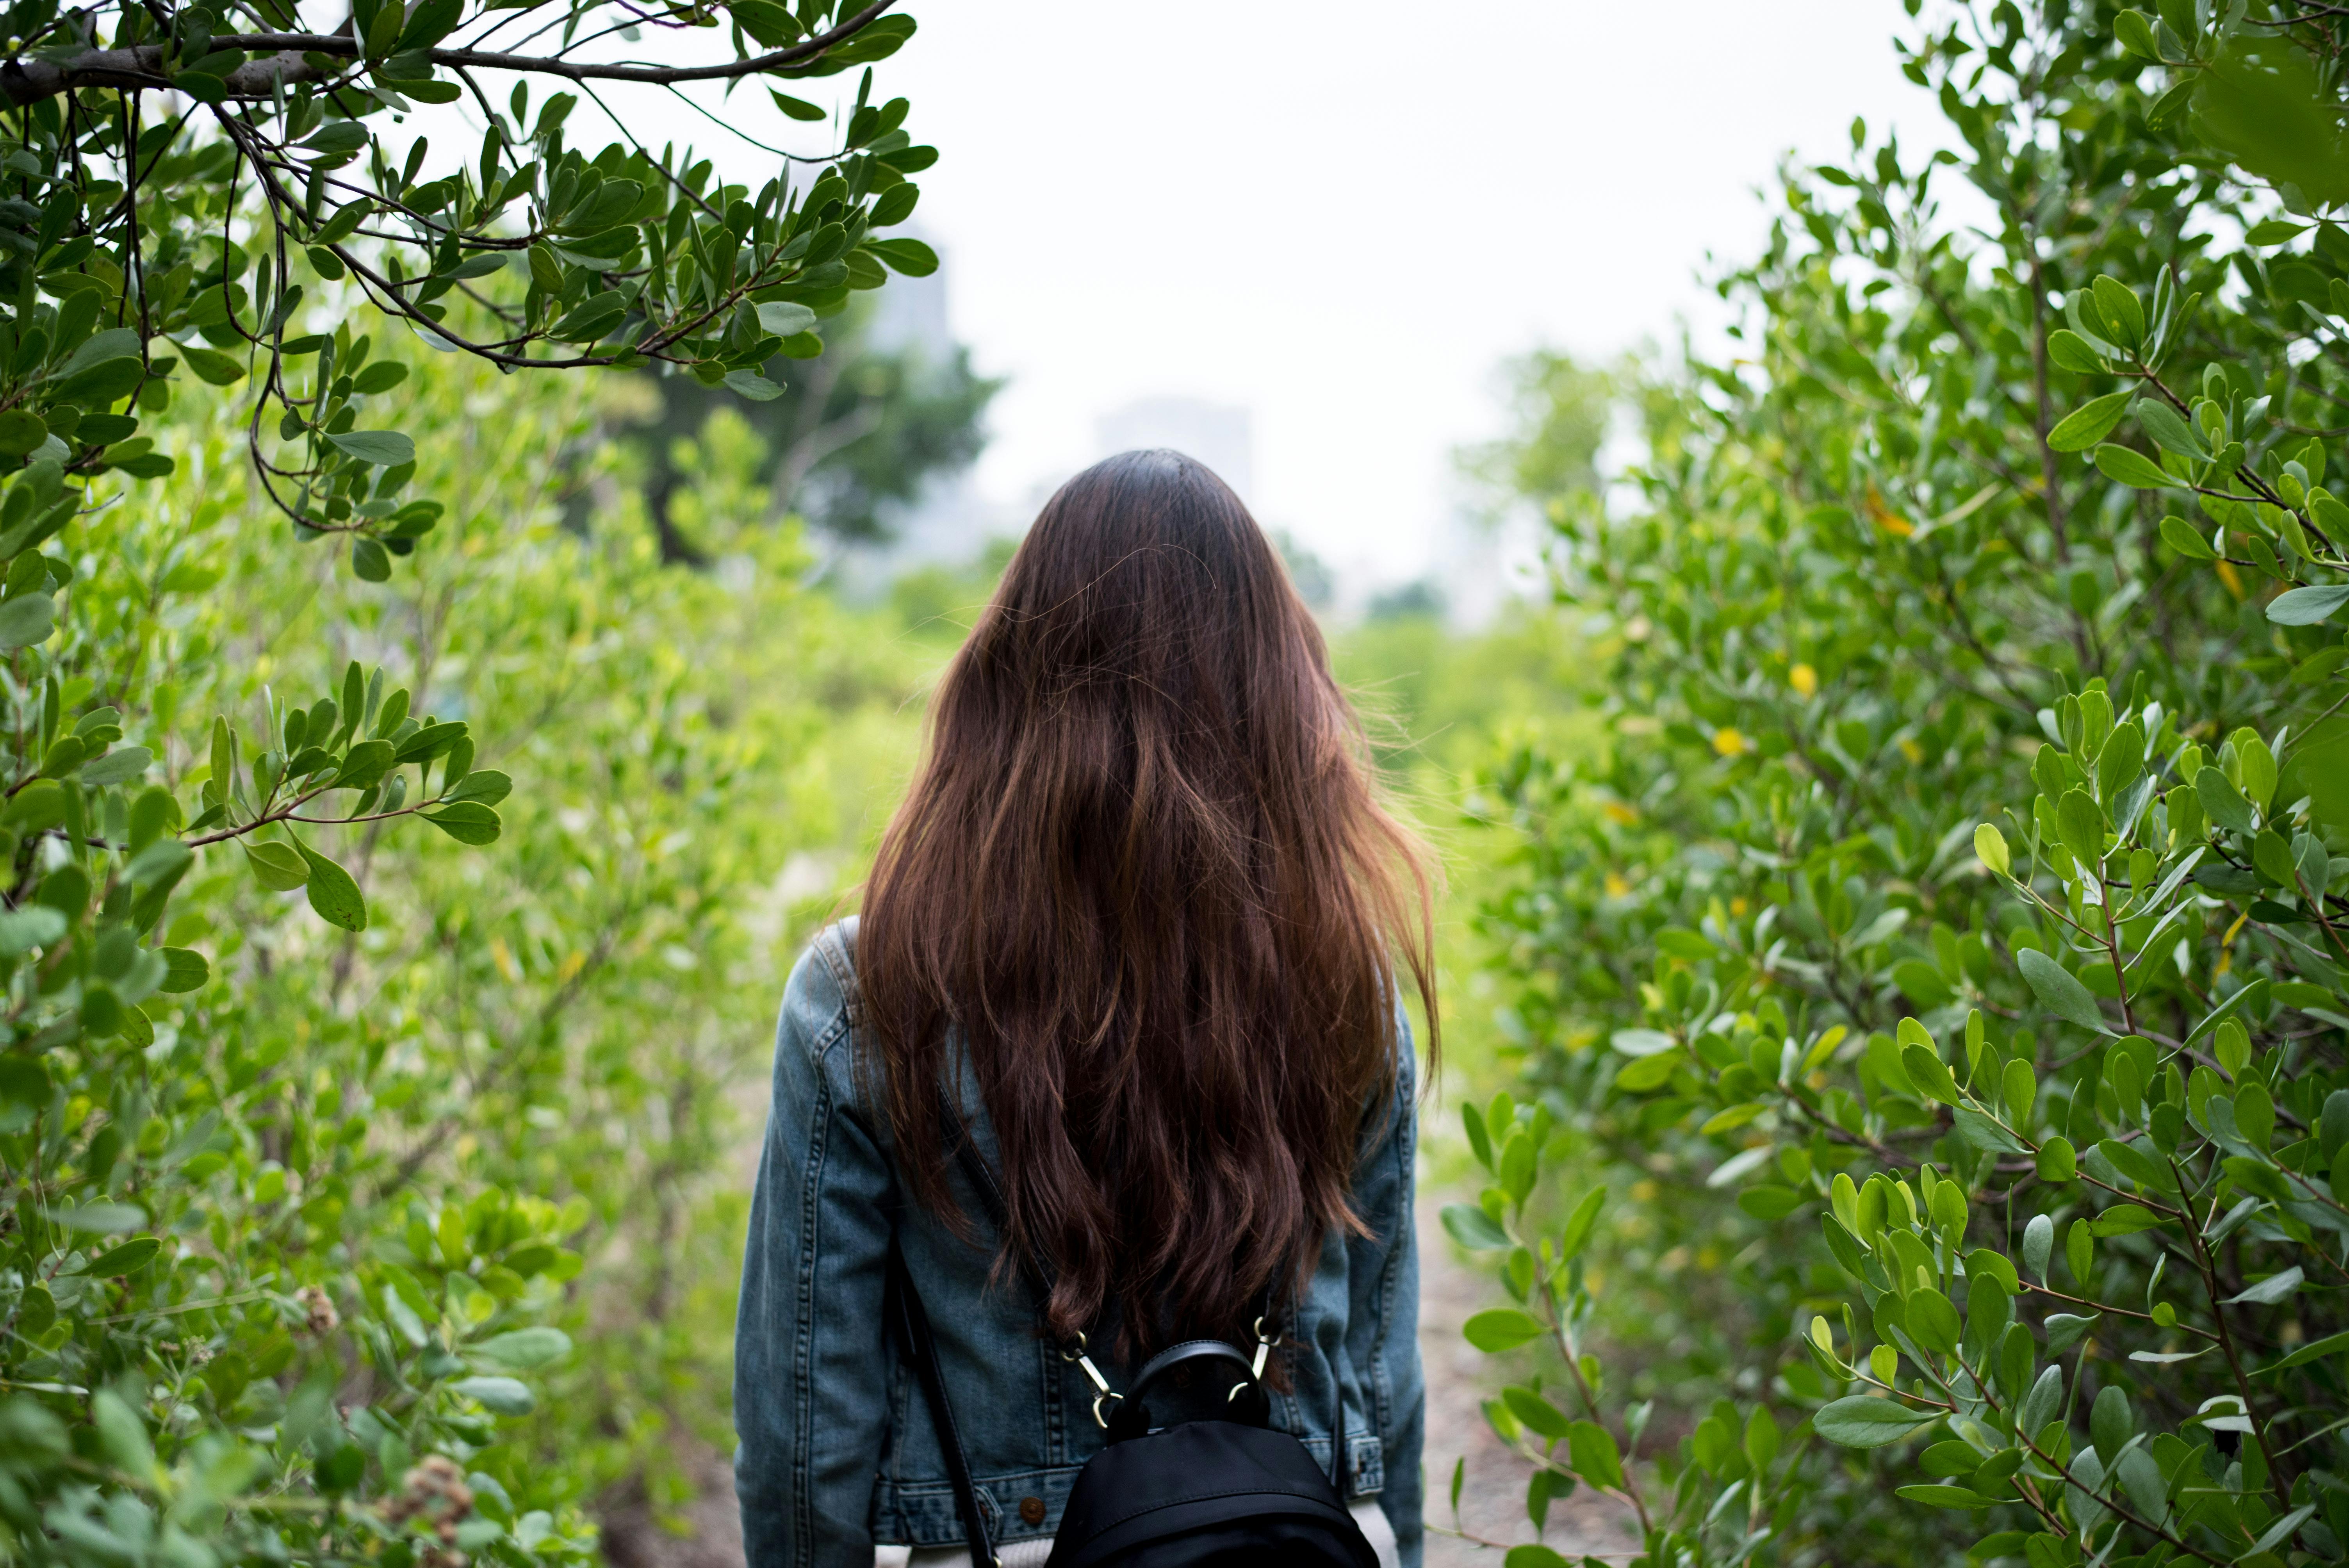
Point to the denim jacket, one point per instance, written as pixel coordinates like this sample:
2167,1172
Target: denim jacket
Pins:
837,1446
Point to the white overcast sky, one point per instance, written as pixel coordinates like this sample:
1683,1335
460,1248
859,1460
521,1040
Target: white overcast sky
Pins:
1342,217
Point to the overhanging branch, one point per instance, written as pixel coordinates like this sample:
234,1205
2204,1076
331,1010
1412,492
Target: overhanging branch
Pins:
287,63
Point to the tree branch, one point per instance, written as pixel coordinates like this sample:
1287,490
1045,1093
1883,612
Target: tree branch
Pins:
143,65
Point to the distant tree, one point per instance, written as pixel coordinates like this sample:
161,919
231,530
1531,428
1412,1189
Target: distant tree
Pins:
1422,598
1564,405
855,434
1316,584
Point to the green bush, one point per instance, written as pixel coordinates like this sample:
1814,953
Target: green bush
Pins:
381,959
1941,958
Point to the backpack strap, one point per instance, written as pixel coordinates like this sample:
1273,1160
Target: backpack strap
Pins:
914,1325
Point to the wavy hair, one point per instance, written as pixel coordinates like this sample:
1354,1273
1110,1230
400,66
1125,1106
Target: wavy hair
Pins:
1145,876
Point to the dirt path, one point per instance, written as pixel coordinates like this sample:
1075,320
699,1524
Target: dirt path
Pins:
1493,1496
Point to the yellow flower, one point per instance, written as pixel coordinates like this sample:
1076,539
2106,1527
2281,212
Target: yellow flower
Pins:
1730,743
1616,886
1911,750
1805,680
1616,812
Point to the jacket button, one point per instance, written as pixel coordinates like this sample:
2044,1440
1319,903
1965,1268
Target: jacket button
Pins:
1031,1509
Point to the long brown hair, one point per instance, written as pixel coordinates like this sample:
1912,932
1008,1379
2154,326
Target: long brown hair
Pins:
1143,873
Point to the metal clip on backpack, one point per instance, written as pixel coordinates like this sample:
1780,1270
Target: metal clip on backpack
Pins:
1194,1474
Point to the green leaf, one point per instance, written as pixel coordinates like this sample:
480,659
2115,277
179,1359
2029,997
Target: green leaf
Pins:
29,926
1538,1413
1863,1421
2306,606
523,1349
432,741
2046,1398
333,894
2269,1290
370,562
2070,350
113,346
1929,1073
128,1258
911,257
2121,309
2089,423
773,26
1641,1042
365,764
2057,1160
100,1219
1473,1228
184,970
1646,1073
2135,31
1932,1321
2059,992
1945,1496
384,449
797,109
1594,1455
2315,1350
1990,848
278,867
2169,430
2065,1330
2111,1423
210,365
2186,539
1578,1223
2223,802
504,1396
2132,467
27,620
122,1434
2282,1531
2125,1220
2274,232
2019,1087
120,766
1501,1328
21,431
2038,1245
486,785
785,319
753,385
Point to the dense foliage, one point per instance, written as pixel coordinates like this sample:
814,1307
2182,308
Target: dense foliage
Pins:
860,432
201,201
323,1226
327,1133
1940,959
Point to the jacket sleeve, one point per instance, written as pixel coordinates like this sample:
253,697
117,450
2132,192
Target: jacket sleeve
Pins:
1383,1320
811,1403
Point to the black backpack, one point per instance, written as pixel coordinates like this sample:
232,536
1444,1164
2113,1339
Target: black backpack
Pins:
1194,1473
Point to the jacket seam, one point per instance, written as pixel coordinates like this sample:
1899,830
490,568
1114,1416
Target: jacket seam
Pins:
1391,1282
832,950
803,1331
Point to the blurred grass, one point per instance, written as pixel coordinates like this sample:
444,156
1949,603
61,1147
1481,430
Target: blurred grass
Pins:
1439,703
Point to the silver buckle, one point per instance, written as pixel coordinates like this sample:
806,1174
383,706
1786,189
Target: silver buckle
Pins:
1101,1390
